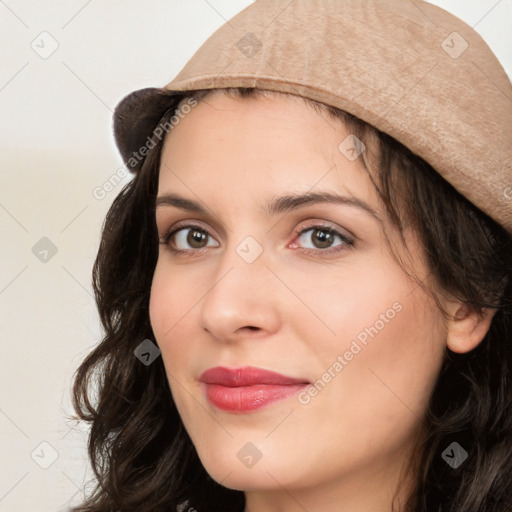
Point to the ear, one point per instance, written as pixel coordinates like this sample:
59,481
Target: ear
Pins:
467,327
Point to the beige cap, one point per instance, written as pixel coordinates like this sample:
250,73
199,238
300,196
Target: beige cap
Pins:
409,68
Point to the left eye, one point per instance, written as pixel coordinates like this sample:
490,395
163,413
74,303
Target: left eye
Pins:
319,237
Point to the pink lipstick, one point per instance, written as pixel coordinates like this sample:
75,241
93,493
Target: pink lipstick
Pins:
247,389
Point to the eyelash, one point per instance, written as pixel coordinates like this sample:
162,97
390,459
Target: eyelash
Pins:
347,242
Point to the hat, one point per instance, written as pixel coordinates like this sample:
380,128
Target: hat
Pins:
409,68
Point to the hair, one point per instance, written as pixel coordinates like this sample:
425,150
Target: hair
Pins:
142,457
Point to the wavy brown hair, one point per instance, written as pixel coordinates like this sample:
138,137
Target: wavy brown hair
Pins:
143,458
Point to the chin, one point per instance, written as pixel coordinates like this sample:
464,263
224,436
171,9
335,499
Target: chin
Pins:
243,468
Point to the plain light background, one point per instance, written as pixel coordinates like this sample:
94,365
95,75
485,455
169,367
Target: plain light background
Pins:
56,148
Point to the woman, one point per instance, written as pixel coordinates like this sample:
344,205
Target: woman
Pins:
306,288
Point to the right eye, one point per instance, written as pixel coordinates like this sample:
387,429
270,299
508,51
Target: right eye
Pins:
188,238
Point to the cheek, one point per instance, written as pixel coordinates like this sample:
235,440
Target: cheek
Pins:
386,354
161,307
161,304
171,311
173,296
377,394
359,302
389,364
170,308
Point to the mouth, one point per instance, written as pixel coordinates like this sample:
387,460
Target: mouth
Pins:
247,389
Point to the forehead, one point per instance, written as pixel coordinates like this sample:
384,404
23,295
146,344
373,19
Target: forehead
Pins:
251,144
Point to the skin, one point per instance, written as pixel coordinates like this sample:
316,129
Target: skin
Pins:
293,311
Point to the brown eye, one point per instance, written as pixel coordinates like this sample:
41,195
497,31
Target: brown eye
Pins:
196,238
189,238
322,238
317,238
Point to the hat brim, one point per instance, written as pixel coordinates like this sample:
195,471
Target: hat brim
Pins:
135,119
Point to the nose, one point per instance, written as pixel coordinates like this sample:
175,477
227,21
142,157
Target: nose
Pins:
242,300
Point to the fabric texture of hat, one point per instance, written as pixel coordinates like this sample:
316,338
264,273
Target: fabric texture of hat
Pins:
409,68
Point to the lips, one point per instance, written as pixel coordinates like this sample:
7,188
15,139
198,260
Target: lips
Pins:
247,389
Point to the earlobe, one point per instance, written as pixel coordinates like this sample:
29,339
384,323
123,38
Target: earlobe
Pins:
467,328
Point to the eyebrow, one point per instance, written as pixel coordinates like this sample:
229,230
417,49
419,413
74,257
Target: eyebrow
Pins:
276,205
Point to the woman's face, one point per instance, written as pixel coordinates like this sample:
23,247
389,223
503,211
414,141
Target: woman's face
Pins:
275,274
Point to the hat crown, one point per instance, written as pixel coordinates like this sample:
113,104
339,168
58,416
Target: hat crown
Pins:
409,68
